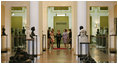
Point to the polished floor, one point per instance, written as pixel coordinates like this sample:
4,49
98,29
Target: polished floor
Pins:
101,57
68,56
58,56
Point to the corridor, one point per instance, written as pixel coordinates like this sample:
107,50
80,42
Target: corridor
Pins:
26,37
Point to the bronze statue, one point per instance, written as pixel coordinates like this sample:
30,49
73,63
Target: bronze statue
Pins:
16,31
23,31
32,33
98,31
3,31
12,31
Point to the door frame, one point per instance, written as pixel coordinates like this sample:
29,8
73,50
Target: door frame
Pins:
71,4
110,6
8,5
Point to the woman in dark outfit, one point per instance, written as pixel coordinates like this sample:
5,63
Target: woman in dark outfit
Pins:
58,37
49,37
70,38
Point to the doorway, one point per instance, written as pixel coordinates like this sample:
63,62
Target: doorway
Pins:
59,18
99,27
49,12
18,27
60,23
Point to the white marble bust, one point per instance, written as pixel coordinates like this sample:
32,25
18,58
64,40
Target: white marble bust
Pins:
83,38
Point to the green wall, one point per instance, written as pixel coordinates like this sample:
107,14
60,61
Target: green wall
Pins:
61,23
104,21
90,25
16,22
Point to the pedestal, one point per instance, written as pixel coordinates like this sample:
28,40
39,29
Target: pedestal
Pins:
4,43
35,45
84,48
30,46
112,44
44,42
83,45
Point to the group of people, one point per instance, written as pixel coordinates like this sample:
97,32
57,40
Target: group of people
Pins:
66,37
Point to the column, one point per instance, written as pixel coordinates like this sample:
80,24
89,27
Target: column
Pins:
34,21
81,20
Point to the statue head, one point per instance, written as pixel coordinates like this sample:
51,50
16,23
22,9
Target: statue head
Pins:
33,28
97,30
81,27
32,33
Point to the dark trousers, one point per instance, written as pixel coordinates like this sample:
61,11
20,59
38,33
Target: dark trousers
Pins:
58,43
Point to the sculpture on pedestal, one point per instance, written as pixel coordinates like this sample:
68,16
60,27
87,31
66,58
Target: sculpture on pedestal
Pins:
83,36
98,31
32,33
12,31
16,32
23,31
3,31
19,32
97,37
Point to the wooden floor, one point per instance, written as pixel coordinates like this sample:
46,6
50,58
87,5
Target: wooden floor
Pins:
67,56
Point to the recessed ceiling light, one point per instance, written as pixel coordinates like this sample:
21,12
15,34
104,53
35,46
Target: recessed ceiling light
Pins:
61,15
13,14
